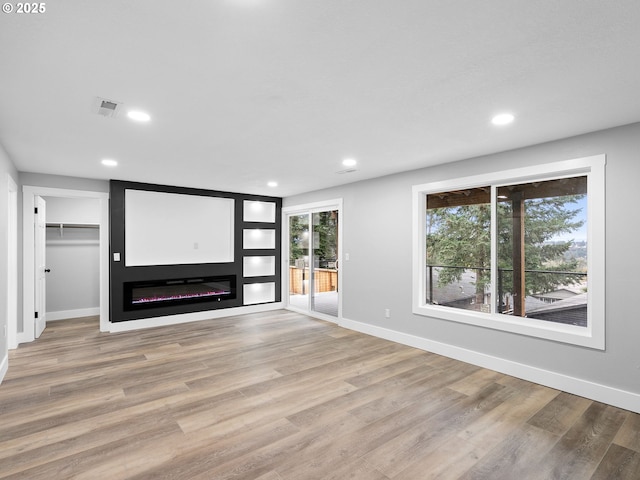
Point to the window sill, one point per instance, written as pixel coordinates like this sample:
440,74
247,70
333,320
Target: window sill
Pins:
559,332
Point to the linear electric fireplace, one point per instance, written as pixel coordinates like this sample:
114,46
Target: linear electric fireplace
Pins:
162,293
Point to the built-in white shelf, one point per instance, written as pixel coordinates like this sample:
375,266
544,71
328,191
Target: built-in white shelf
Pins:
259,293
255,211
258,238
259,266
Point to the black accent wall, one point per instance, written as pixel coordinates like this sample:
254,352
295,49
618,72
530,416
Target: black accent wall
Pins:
119,274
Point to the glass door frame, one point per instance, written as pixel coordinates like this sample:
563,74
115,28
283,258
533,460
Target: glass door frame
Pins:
309,209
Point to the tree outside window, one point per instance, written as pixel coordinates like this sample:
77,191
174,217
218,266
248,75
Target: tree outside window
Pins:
541,267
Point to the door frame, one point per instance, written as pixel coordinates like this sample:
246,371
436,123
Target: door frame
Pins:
28,244
310,208
12,264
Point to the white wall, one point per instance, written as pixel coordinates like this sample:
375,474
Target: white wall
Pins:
377,235
60,181
6,169
73,210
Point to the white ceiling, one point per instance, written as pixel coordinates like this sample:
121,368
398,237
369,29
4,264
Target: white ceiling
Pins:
245,91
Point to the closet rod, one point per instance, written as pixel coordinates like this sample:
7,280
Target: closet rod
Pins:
71,225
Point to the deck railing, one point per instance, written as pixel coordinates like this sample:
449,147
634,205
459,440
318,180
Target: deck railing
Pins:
325,280
502,280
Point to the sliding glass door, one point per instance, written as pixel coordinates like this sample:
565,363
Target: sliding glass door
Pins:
313,261
299,281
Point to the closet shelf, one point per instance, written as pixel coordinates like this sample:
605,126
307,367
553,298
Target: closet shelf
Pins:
61,227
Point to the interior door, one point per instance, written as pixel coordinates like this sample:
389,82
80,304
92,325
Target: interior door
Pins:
40,244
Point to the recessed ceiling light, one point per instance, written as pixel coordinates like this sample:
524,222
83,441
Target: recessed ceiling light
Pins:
272,184
107,162
138,116
349,162
502,119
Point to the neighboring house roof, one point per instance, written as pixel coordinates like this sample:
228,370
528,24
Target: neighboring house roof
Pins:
571,311
565,291
465,289
576,301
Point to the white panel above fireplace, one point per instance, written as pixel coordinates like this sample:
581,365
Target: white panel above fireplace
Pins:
170,228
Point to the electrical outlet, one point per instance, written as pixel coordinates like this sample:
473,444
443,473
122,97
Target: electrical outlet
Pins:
387,313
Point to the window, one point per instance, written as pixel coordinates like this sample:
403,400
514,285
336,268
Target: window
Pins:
519,250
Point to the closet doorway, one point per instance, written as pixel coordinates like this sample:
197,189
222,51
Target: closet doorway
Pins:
313,245
72,250
69,231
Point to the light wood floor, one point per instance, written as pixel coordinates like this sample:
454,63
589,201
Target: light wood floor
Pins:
280,396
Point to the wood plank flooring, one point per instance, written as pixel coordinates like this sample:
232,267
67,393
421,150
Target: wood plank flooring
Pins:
280,396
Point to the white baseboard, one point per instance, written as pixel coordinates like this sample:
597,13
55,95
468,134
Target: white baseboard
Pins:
64,314
4,366
191,317
584,388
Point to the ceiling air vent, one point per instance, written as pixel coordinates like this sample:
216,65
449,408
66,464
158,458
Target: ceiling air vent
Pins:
106,108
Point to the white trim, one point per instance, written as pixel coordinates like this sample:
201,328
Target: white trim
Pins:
28,195
12,264
312,207
21,337
313,314
593,336
577,386
130,325
336,203
77,313
4,367
524,174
